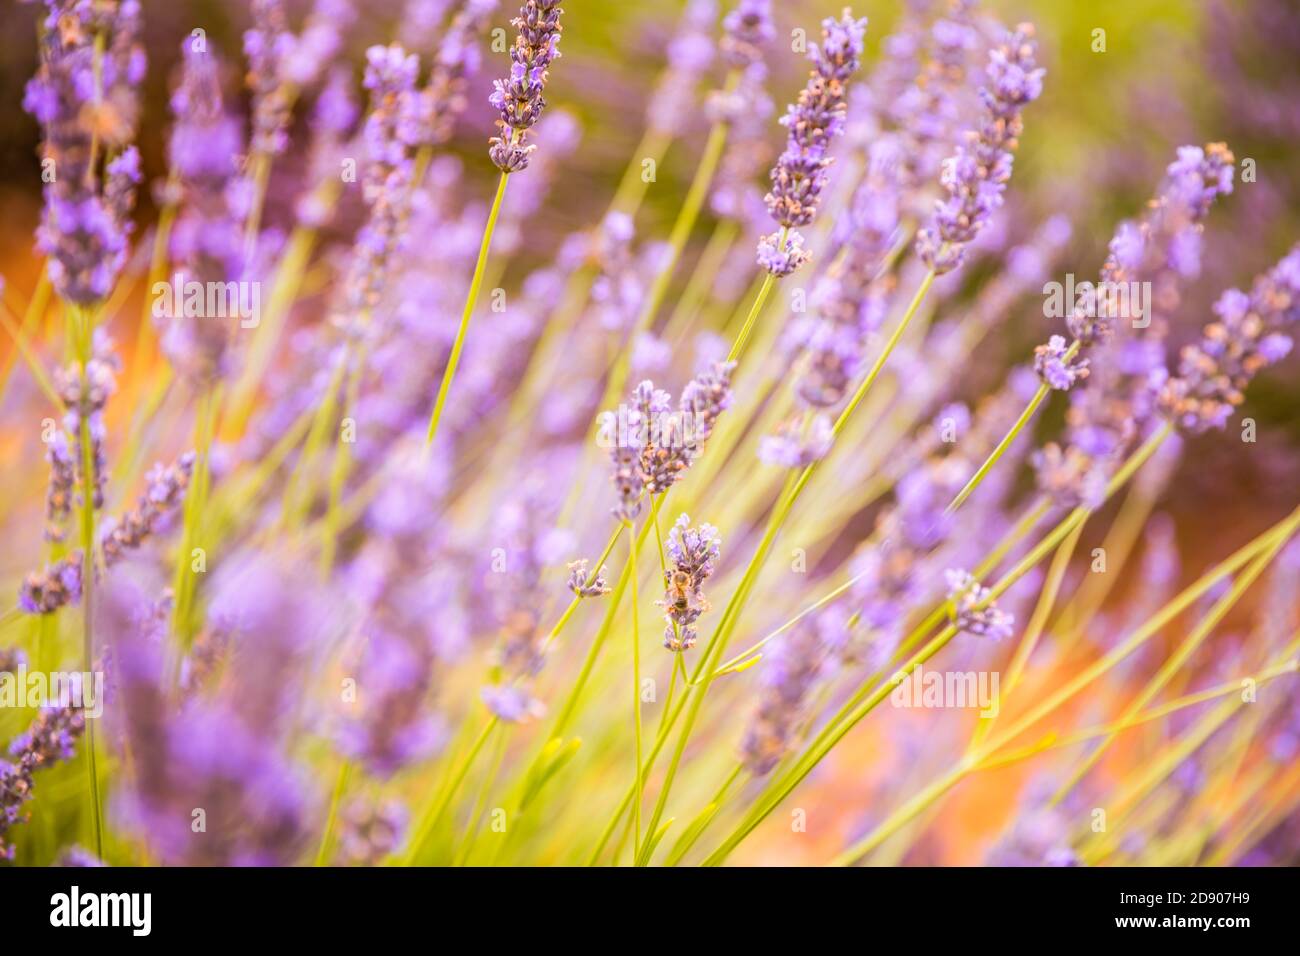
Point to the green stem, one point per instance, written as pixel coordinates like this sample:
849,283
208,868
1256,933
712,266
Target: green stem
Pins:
760,300
735,606
184,584
85,337
1010,437
636,688
470,302
485,791
331,821
439,806
1189,645
859,707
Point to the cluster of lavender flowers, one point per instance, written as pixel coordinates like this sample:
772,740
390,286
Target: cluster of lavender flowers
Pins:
280,63
517,592
927,102
813,124
975,177
972,609
85,96
519,97
51,738
217,723
59,584
659,444
1119,402
212,784
744,107
213,198
693,552
1252,332
850,303
790,673
690,54
165,489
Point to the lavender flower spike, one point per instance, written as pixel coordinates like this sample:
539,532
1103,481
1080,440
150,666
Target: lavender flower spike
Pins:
694,553
973,612
1247,337
654,445
813,123
166,487
579,576
85,95
747,30
1056,366
975,177
519,96
51,738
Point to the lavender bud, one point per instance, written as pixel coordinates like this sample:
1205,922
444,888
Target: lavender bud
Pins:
975,177
782,258
584,585
971,610
814,121
519,97
1054,367
1248,336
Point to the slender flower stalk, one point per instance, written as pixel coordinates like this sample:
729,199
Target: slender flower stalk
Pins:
1161,248
813,122
519,99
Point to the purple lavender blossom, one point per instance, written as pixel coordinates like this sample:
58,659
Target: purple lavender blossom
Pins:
975,177
790,672
693,553
59,496
813,123
1252,332
972,611
746,32
744,107
392,131
851,300
212,196
583,584
690,54
165,490
519,97
224,751
1055,367
1118,406
85,393
44,592
517,590
86,98
281,63
658,444
51,738
927,98
1163,246
265,46
457,59
782,258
